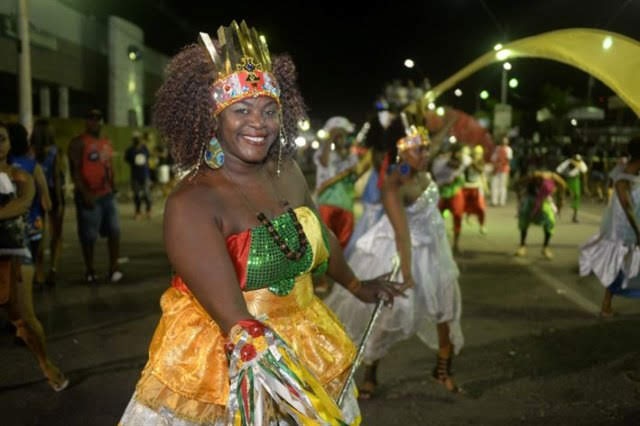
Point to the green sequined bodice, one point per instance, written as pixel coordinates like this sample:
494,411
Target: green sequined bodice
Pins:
267,266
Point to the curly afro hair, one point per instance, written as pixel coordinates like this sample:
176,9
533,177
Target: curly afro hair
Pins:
183,112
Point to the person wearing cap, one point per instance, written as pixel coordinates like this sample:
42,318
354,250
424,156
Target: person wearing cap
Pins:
91,167
335,197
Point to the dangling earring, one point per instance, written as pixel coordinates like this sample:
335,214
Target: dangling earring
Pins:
283,141
213,154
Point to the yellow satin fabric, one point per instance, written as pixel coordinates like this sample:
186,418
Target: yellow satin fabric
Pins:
616,66
187,371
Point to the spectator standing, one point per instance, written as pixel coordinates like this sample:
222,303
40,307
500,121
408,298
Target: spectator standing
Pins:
137,156
47,154
500,159
90,163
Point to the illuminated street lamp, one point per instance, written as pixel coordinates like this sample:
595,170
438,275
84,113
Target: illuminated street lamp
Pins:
507,66
322,134
513,83
457,92
304,125
484,95
409,63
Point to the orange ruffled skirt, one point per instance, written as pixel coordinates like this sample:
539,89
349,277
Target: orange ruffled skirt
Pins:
187,378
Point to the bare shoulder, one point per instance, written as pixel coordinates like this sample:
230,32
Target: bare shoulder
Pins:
192,198
294,181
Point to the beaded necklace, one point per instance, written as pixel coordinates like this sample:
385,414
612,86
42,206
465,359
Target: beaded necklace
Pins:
273,232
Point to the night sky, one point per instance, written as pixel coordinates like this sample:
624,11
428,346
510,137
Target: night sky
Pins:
347,51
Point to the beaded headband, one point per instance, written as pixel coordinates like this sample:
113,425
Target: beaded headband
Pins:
243,63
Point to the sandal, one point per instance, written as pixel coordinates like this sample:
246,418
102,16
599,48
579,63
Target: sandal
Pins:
442,374
367,390
56,379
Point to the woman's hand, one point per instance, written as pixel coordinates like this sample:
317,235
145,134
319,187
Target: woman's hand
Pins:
380,288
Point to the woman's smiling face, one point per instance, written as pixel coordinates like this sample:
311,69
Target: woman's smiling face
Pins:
247,128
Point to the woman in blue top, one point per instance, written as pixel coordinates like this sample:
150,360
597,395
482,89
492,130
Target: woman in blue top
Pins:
21,156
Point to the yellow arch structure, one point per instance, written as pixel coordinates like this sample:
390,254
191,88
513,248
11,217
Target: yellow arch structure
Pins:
612,58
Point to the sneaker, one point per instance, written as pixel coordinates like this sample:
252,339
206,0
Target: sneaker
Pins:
522,251
91,278
116,276
546,252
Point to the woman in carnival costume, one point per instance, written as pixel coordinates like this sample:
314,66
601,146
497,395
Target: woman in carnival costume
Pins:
410,242
536,206
613,254
371,198
242,339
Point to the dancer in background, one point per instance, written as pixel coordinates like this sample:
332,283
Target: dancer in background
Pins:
448,171
574,171
613,254
372,208
335,180
475,186
536,206
411,240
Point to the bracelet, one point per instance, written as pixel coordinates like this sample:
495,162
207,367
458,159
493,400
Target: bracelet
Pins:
354,285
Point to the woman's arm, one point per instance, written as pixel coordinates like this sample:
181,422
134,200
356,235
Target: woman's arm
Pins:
623,190
25,191
338,268
198,253
394,208
43,189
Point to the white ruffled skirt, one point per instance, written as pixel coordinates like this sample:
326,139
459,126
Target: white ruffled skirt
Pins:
435,299
606,258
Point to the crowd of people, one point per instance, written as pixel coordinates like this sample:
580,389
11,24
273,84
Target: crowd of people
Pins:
244,337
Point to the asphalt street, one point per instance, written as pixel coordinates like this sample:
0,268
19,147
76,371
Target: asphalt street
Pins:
536,352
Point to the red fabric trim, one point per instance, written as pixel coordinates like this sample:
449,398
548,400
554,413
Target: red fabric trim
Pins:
239,246
179,285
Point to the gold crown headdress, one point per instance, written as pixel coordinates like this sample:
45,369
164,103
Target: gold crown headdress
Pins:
243,62
415,136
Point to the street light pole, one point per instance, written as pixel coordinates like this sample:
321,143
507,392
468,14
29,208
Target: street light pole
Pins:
24,72
503,87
